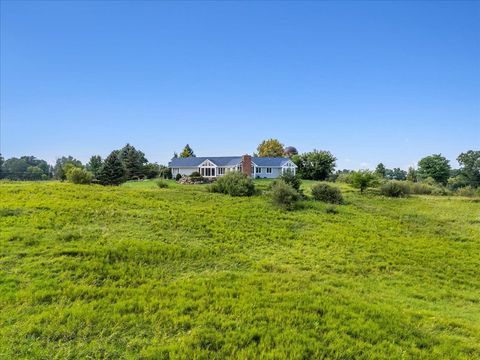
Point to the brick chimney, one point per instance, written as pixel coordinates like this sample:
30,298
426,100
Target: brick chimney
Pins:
247,165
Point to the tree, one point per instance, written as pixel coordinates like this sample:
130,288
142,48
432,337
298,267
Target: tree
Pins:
315,165
396,174
470,167
363,179
79,176
290,151
381,171
187,152
175,155
26,168
151,170
59,169
412,174
133,161
94,165
164,172
112,171
2,160
270,148
435,166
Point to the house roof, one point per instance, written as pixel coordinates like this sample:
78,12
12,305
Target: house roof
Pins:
227,161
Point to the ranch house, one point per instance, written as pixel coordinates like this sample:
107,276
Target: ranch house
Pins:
255,167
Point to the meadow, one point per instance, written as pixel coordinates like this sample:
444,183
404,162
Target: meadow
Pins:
140,272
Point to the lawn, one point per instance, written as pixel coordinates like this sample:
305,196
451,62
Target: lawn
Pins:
141,272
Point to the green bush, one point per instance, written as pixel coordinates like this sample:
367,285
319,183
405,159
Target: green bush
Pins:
162,184
395,188
284,195
195,174
79,176
327,193
420,188
292,180
331,209
467,191
178,177
235,184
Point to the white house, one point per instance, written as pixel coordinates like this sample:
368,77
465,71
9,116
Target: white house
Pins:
255,167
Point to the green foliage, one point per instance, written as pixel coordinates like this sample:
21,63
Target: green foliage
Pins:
396,174
133,161
151,170
412,174
327,193
235,184
62,165
435,166
421,188
363,179
270,148
315,165
195,174
293,180
164,172
178,177
94,165
381,170
161,184
25,168
284,195
395,188
467,191
331,209
79,176
470,167
112,171
131,272
187,152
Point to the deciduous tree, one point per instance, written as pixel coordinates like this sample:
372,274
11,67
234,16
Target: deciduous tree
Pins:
315,165
270,148
435,166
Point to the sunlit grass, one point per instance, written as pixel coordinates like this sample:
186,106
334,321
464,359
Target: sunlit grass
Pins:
138,271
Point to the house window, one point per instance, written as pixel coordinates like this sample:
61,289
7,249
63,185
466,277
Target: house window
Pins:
269,170
258,170
221,171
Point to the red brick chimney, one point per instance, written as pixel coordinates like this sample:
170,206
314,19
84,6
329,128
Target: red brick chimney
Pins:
247,165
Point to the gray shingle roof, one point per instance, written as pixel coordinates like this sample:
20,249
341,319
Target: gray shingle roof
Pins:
227,161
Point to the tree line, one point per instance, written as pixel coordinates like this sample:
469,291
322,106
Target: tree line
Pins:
128,163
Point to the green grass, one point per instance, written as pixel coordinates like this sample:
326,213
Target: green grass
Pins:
142,272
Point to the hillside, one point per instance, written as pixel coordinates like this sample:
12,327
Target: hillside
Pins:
137,271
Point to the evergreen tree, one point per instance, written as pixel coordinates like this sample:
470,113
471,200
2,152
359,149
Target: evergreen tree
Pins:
1,166
187,152
133,160
112,171
95,165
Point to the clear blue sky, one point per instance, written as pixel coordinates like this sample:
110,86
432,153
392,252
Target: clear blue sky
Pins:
369,81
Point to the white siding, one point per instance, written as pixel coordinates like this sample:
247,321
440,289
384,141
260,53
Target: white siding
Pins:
183,171
276,172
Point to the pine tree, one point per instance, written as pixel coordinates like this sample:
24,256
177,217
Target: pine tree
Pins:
187,152
134,161
95,165
112,171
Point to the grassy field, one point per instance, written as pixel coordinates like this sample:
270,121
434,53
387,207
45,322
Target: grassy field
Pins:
142,272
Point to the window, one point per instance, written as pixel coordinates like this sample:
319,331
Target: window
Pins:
269,170
258,170
221,171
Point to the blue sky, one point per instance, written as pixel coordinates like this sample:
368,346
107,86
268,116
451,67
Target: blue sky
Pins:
368,81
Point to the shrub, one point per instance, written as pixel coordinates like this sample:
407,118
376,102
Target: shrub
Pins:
162,184
395,188
284,195
363,179
293,180
327,193
467,191
79,176
195,174
178,177
235,184
331,209
420,188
